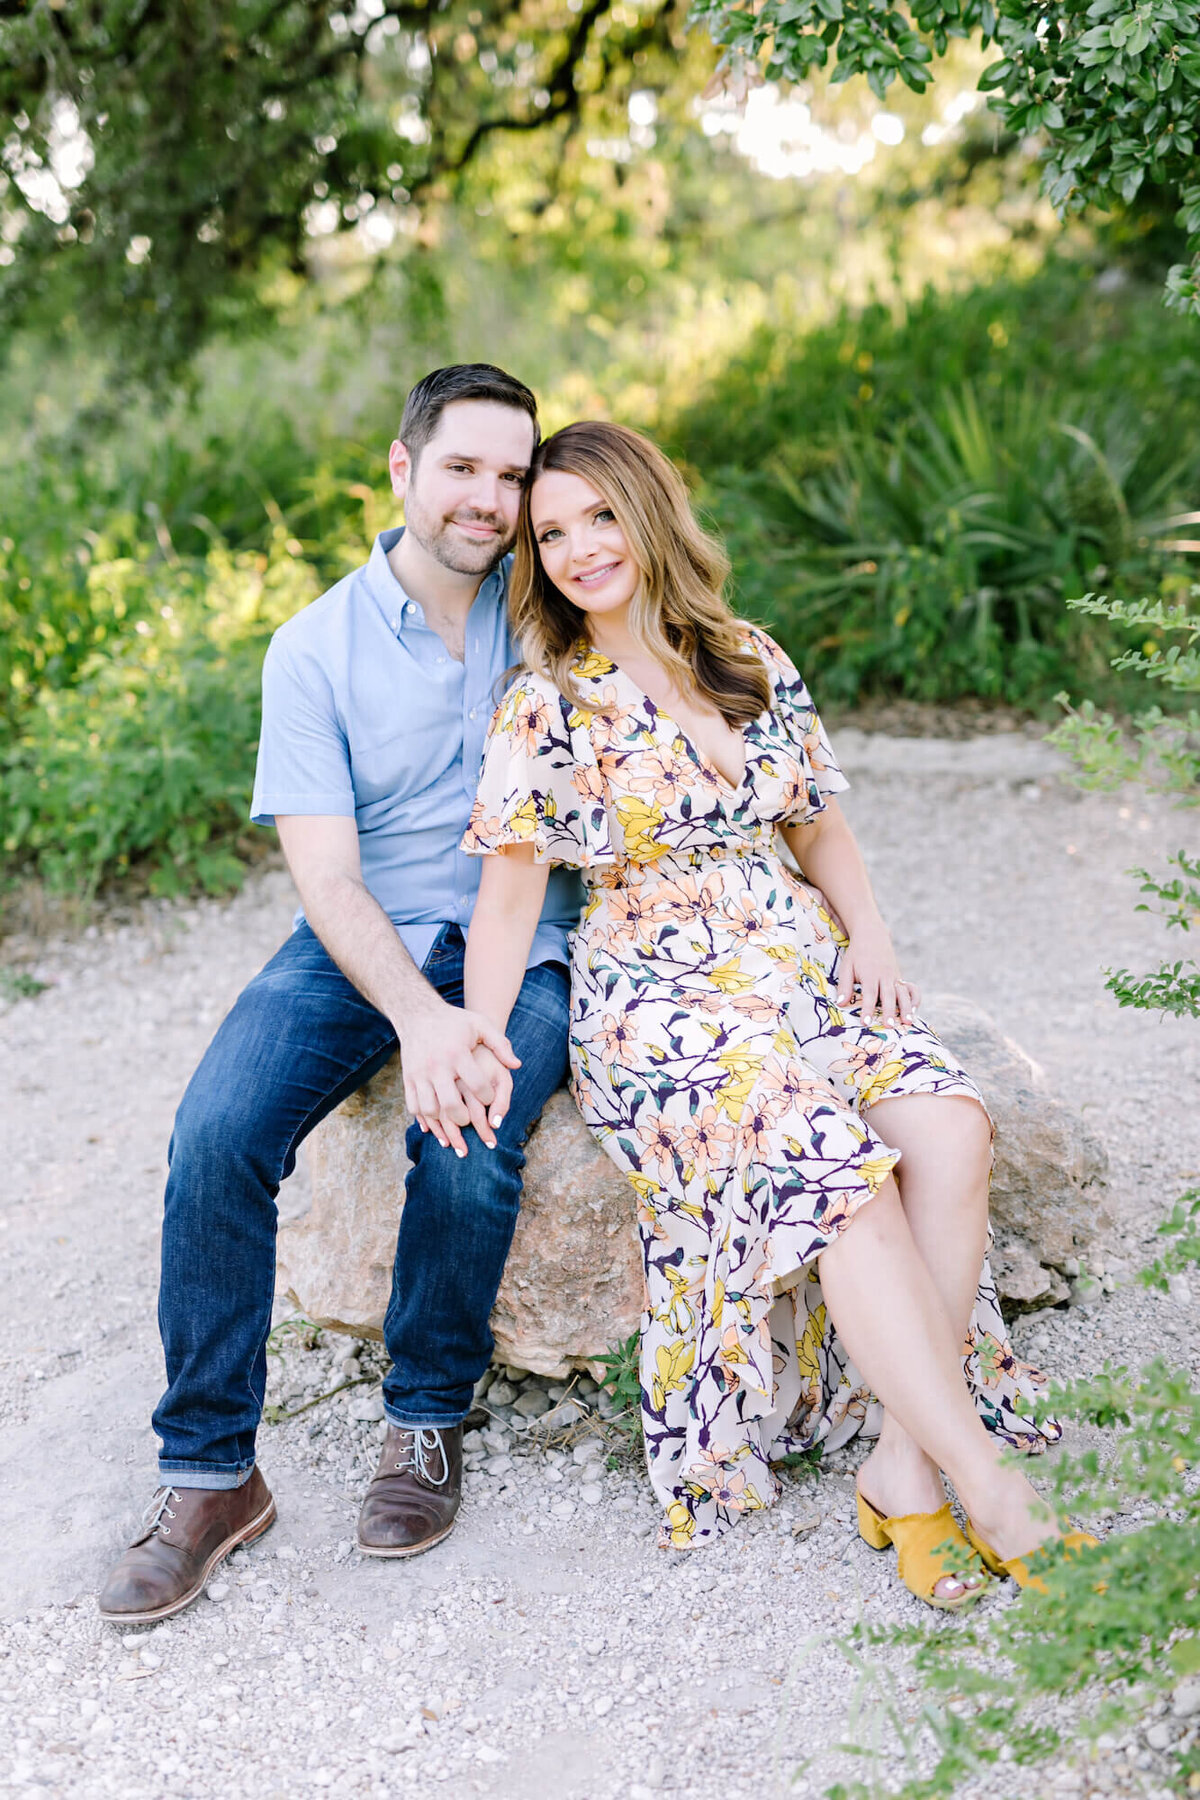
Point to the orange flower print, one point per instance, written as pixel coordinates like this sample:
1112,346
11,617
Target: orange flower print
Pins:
588,782
706,1140
659,774
616,1036
657,1138
631,917
609,724
688,897
764,1009
747,921
530,724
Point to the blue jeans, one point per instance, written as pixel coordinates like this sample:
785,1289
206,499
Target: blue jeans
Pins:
298,1041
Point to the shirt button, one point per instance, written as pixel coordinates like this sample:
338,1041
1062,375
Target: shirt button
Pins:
471,714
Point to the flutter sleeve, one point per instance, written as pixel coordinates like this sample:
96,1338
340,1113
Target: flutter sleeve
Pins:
540,783
793,706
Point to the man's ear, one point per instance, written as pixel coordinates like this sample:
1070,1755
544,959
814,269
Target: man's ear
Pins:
400,468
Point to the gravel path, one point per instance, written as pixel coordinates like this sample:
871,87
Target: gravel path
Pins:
547,1649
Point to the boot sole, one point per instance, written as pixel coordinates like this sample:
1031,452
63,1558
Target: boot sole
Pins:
247,1535
409,1549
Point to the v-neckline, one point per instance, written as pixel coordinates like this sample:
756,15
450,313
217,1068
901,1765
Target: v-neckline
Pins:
701,755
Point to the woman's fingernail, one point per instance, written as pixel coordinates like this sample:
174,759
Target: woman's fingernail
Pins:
496,1120
461,1154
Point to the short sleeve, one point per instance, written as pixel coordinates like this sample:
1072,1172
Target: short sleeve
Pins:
540,783
793,705
303,759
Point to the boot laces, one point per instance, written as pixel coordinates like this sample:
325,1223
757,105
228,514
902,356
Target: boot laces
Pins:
153,1516
415,1454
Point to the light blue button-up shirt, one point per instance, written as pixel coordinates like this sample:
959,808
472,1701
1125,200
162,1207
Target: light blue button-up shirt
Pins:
366,715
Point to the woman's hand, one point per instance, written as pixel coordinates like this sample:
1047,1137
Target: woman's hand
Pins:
868,972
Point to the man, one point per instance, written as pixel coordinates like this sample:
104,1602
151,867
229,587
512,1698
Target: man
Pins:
376,701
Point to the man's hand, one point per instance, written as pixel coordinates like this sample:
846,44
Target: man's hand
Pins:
453,1062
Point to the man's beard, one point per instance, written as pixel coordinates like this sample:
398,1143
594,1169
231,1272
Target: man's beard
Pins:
438,537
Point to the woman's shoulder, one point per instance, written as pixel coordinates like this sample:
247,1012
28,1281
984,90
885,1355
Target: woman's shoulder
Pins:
773,654
532,709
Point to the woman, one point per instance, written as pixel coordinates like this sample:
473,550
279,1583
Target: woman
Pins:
742,1042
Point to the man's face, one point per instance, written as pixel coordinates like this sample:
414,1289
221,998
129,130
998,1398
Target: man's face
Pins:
463,495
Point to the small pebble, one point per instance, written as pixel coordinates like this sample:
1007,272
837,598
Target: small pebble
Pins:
217,1590
368,1409
501,1393
1185,1701
591,1493
533,1403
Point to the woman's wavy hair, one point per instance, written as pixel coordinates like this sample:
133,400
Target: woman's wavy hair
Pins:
679,614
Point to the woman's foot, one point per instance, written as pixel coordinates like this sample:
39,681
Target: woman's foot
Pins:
897,1481
1010,1516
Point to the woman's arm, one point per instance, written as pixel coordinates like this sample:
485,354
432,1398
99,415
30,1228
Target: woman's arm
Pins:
829,857
512,888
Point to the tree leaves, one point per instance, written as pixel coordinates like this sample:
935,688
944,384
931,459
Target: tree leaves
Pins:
1099,87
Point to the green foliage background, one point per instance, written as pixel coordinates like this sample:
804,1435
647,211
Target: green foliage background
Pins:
922,412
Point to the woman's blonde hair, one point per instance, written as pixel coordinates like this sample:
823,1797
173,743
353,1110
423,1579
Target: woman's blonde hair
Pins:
679,614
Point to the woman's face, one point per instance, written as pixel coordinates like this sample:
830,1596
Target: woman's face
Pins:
582,548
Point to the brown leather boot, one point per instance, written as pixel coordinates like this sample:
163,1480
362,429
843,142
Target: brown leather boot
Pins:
187,1532
414,1497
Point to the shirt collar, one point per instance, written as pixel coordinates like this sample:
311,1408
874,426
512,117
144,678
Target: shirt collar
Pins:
397,607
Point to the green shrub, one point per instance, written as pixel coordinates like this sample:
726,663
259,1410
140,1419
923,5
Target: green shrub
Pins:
145,763
909,500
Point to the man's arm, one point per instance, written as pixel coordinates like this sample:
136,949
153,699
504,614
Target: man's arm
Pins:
445,1083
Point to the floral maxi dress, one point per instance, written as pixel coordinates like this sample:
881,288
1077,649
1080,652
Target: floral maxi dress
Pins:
709,1058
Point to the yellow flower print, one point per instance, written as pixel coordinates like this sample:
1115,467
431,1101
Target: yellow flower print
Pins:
678,1315
592,665
729,978
880,1081
808,1348
742,1069
682,1525
876,1170
816,974
672,1366
640,819
718,1305
645,1189
524,822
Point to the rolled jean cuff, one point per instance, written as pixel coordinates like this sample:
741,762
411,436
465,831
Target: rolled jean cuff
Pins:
409,1424
213,1476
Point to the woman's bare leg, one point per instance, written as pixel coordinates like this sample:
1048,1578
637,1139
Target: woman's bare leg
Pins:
887,1311
942,1175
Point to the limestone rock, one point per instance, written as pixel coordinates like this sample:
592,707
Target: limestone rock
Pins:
573,1286
1048,1180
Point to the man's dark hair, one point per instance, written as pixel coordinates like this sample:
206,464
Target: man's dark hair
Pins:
461,381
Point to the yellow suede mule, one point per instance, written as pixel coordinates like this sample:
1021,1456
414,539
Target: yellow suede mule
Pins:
927,1551
1017,1567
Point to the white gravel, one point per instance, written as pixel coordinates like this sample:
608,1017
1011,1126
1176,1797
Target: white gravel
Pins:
547,1648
